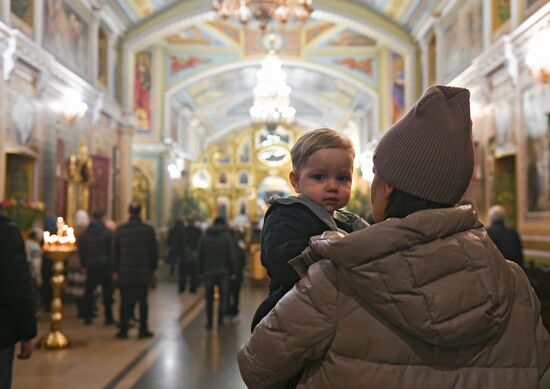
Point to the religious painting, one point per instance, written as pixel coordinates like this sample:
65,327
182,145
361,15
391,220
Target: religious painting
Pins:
142,90
66,35
536,121
201,179
462,38
99,186
19,177
243,179
193,36
102,58
141,192
230,29
223,179
244,151
22,10
288,40
222,207
316,30
501,13
364,67
398,86
180,65
349,38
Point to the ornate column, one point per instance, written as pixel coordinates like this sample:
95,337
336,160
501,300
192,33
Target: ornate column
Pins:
125,134
5,11
425,61
487,23
7,58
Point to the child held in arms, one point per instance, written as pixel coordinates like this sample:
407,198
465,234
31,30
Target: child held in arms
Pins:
322,170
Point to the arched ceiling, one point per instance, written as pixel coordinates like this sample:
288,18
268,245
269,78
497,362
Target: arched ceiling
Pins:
405,13
335,62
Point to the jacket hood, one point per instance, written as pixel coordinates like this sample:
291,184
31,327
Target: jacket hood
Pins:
434,274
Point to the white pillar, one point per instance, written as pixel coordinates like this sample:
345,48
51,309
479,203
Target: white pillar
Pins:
93,39
111,50
125,175
487,23
156,92
425,61
515,14
38,21
5,11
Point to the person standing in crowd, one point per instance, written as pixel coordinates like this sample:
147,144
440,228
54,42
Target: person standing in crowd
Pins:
135,261
322,171
95,250
171,257
236,280
216,264
17,317
420,299
505,238
76,276
33,248
187,240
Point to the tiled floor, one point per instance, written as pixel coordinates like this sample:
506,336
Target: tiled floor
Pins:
181,355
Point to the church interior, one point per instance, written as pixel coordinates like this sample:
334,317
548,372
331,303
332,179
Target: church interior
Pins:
190,108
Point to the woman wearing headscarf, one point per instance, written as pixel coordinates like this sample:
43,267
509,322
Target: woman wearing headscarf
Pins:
421,299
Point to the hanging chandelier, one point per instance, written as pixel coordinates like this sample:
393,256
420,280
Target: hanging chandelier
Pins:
271,93
263,10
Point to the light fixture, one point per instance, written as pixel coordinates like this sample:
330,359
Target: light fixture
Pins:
271,93
538,55
72,107
263,10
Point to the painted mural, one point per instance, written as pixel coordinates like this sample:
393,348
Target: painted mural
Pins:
102,56
462,39
66,35
314,31
193,36
23,10
290,42
501,13
536,101
365,67
348,38
142,90
230,29
180,66
504,123
398,86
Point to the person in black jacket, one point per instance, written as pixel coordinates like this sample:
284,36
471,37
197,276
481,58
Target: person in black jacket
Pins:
187,240
135,261
17,313
216,261
94,248
505,238
322,162
236,280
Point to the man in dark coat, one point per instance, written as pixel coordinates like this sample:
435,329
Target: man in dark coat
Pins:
17,317
506,239
216,264
135,261
187,240
94,248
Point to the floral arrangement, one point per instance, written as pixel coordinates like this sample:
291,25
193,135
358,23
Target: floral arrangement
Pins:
22,211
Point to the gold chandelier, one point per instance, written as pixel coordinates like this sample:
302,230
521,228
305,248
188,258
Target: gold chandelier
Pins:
264,10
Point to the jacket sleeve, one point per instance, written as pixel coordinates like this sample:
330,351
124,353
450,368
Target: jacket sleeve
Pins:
116,251
17,280
200,256
301,327
285,235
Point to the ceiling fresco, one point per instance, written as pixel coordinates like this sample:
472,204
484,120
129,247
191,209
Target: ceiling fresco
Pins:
405,13
196,56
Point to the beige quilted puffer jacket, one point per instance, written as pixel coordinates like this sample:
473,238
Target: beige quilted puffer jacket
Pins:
422,302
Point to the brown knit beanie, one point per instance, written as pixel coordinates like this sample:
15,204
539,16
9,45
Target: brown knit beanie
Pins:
429,153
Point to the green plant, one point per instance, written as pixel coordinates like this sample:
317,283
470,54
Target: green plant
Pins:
22,211
359,203
190,206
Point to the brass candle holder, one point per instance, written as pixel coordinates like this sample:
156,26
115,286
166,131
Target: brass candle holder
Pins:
58,248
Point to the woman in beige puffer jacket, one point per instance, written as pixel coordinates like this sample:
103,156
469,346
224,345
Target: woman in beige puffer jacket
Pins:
422,299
